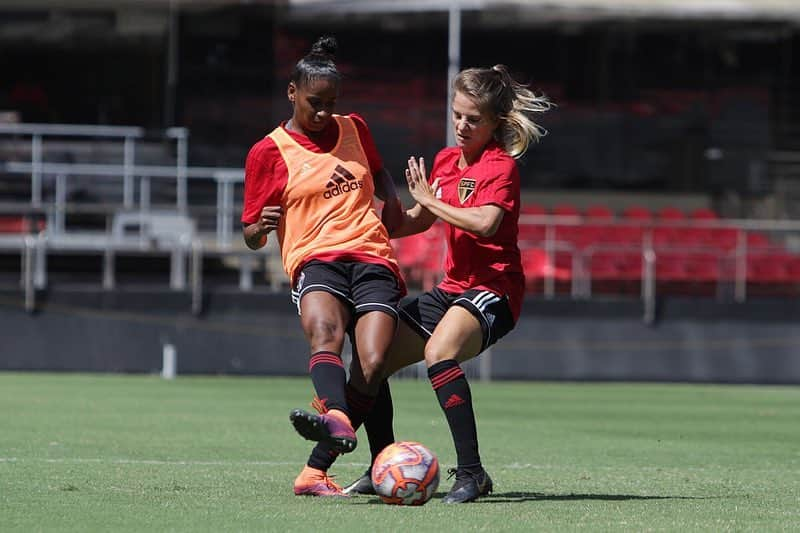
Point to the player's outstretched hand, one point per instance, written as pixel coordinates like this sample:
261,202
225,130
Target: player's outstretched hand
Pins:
422,191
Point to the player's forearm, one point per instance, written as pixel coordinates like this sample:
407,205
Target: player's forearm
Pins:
415,220
478,220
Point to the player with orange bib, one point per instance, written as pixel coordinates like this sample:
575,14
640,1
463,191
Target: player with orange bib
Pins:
313,180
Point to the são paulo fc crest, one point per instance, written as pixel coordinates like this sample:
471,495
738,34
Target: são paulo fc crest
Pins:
465,189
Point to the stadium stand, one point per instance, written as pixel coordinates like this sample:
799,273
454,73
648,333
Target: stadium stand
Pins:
568,248
694,255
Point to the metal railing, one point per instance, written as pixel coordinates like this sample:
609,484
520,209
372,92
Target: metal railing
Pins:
58,237
131,177
225,180
649,250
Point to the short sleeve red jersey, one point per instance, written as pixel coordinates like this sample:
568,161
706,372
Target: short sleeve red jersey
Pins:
473,262
327,196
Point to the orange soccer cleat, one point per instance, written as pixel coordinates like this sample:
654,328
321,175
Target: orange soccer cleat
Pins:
315,482
333,427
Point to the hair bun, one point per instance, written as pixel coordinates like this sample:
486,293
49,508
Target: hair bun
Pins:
326,47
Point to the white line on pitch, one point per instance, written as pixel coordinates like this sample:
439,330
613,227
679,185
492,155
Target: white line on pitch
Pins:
511,466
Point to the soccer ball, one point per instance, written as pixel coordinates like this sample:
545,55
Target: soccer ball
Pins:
405,473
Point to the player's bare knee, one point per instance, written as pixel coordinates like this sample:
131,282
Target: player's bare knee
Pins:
372,366
435,354
323,334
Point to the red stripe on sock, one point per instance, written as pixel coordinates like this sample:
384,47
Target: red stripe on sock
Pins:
325,358
446,377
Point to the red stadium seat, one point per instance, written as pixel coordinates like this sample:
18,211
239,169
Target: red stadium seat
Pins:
421,256
566,210
626,235
630,268
598,211
670,213
637,212
532,209
770,274
604,265
793,272
704,213
532,234
20,224
720,238
535,263
596,233
704,267
13,225
604,272
666,236
757,240
538,266
569,233
671,267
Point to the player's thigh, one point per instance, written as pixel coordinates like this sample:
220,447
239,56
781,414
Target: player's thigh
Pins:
324,319
374,332
458,336
407,348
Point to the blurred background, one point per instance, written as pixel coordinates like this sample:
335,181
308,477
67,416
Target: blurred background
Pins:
661,221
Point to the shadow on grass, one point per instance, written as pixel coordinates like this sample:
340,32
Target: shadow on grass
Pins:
509,497
512,497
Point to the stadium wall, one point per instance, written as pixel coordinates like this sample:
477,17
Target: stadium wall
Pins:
123,331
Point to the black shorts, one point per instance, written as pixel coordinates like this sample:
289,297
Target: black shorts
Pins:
363,287
424,312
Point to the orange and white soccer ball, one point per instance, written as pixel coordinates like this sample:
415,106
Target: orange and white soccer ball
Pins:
405,473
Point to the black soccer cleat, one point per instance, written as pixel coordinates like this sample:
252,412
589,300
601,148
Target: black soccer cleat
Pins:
362,485
468,486
330,428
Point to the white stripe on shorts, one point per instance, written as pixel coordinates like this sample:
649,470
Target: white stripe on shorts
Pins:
296,296
389,309
483,300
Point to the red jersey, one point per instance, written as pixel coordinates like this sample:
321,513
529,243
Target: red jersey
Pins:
473,262
326,192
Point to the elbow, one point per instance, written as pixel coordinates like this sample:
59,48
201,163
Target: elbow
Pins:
486,230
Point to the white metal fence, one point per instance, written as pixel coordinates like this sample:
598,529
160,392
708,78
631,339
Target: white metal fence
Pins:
172,230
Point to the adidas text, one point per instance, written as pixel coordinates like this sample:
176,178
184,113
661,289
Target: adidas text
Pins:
341,188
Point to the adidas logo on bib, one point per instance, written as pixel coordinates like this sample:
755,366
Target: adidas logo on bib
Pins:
340,182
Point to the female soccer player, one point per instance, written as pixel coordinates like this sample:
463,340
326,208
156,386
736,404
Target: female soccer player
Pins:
474,188
312,180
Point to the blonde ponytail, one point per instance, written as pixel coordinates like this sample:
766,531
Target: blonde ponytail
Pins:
512,103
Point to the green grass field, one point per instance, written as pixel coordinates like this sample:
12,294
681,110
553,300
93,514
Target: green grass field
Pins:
137,453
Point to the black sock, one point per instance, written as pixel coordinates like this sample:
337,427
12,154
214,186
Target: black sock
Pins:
328,377
378,423
322,456
455,398
359,404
